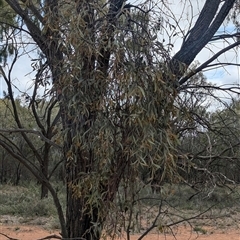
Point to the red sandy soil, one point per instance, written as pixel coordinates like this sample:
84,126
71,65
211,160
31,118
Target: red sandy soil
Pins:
22,232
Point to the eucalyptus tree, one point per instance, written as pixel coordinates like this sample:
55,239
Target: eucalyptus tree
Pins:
116,83
7,18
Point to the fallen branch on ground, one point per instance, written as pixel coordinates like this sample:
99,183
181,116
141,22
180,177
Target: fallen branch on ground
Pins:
8,237
50,237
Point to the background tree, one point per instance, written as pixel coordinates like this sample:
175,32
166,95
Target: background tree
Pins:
7,19
18,119
208,136
29,116
116,85
10,170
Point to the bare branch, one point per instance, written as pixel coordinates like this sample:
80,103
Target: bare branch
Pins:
205,64
50,237
10,238
40,134
32,27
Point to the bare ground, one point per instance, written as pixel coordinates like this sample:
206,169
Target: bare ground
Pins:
23,232
15,228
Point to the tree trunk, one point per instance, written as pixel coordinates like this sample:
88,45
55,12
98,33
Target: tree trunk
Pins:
18,174
44,191
44,169
81,215
81,219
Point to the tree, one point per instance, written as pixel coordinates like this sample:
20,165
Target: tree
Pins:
17,128
223,144
212,146
208,137
116,85
7,18
8,171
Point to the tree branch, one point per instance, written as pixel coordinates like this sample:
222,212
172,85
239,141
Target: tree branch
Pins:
32,27
199,36
10,238
50,237
22,130
205,64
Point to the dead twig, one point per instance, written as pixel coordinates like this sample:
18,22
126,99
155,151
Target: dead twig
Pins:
50,237
10,238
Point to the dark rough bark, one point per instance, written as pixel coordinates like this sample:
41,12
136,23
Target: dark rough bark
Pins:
80,216
80,221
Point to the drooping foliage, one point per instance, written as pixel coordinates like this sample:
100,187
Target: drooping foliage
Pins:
116,84
119,110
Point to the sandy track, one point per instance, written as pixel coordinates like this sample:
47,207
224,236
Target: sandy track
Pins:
35,232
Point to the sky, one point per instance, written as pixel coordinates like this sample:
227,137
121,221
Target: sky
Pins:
183,13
